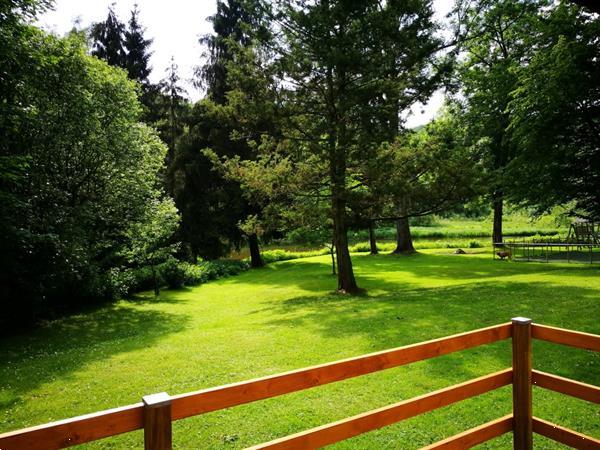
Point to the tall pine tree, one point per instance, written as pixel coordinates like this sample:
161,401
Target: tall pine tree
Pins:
107,39
232,22
235,25
137,60
173,96
349,66
337,99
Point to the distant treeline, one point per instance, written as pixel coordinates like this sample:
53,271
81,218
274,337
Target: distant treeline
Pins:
302,129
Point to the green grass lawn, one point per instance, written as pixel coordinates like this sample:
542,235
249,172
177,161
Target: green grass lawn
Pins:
284,317
514,224
449,232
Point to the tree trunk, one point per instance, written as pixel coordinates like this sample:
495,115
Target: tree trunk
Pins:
372,239
255,258
497,203
332,252
155,279
346,280
404,243
337,142
345,273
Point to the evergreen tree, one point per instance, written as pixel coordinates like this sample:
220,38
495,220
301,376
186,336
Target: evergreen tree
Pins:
231,24
201,192
352,80
173,93
137,47
333,63
108,39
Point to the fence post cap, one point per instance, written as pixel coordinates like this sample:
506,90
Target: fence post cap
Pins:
156,400
521,320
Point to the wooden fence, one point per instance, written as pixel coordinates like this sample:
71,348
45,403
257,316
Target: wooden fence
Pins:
156,413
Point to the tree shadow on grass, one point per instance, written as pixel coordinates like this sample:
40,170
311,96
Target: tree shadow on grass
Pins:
407,315
60,348
370,271
465,267
166,295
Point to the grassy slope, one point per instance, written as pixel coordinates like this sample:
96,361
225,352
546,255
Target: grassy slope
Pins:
283,317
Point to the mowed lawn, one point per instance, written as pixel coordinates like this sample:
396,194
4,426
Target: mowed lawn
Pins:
286,316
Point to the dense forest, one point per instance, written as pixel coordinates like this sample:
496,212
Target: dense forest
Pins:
110,184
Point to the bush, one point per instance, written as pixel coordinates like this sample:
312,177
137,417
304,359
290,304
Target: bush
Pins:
173,272
126,281
121,282
304,236
212,270
193,274
475,244
271,256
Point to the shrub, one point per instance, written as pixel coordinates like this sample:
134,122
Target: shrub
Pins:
126,281
193,274
304,236
213,270
121,282
271,256
475,244
173,272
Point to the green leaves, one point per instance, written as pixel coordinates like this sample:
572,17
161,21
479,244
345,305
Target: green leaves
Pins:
555,118
82,176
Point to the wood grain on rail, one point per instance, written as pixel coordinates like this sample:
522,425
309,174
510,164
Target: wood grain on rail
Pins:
566,386
577,339
76,430
564,435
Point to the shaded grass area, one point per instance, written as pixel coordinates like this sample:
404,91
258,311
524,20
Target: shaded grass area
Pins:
285,316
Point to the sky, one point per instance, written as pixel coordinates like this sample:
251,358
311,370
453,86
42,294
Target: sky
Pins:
175,27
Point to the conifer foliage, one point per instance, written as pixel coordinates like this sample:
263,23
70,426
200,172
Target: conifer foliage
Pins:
123,46
137,60
107,39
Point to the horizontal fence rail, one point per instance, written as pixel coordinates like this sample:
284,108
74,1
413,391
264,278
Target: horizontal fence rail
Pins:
566,386
378,418
564,435
77,430
571,338
156,413
475,436
213,399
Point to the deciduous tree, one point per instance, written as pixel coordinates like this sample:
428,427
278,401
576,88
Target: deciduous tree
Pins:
555,116
500,40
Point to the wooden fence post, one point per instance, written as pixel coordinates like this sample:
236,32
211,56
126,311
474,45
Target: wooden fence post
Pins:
157,422
522,408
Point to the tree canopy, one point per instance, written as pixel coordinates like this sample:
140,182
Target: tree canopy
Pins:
301,130
80,172
555,116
